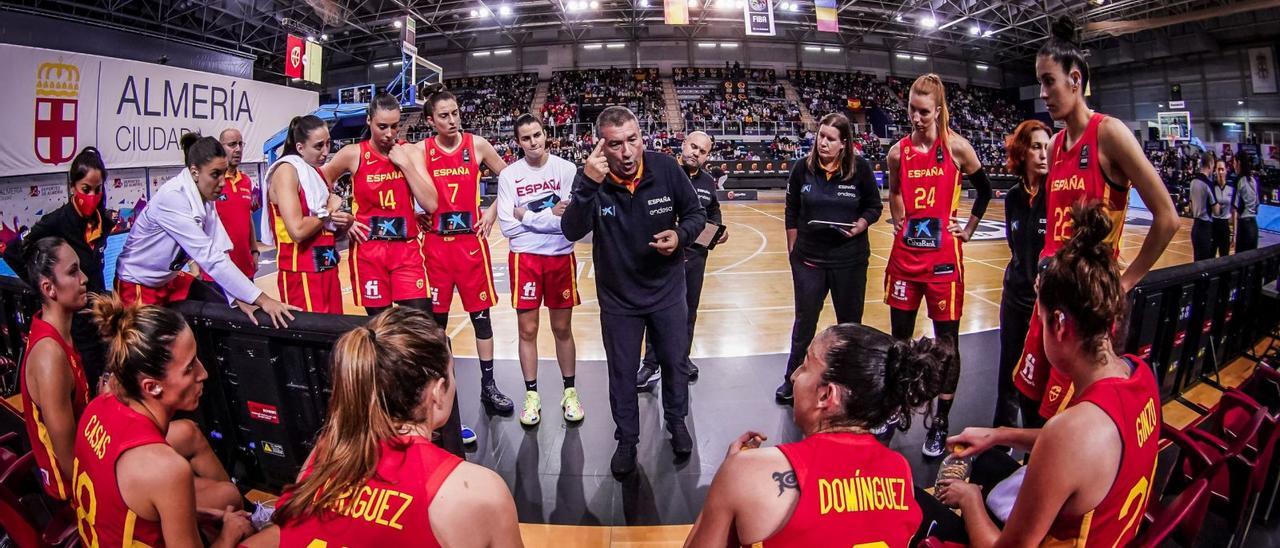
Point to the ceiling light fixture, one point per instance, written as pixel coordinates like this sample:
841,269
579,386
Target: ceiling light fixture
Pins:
929,22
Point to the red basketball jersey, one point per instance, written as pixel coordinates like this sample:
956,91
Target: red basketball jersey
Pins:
314,255
457,179
1133,404
1075,175
235,210
925,251
41,446
107,429
391,509
853,492
381,197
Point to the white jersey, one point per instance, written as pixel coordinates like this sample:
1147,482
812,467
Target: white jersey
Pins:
178,220
520,185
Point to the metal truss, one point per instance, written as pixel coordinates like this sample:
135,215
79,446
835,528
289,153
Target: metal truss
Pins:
357,31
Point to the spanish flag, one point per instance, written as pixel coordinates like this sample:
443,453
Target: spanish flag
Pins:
826,12
677,12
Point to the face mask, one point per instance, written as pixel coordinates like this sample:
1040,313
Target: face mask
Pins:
86,204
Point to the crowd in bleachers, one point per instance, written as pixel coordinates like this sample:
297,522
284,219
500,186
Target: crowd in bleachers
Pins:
492,103
639,89
709,97
825,92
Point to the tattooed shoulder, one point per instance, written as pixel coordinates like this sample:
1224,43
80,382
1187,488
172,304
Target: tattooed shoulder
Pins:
786,480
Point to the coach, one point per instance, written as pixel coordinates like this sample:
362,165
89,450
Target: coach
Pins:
642,216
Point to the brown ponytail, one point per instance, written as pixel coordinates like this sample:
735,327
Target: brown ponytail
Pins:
379,373
139,339
1082,280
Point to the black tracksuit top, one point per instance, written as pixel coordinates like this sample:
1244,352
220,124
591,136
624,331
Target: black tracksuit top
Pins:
631,276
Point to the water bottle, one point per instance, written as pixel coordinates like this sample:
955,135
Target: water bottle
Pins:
953,467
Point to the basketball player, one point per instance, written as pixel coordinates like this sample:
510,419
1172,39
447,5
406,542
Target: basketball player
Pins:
54,389
532,195
693,158
132,485
305,219
926,261
1114,422
393,385
180,224
236,205
457,249
852,378
83,223
1095,158
385,252
640,216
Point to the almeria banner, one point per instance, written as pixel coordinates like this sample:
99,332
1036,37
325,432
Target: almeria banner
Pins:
133,112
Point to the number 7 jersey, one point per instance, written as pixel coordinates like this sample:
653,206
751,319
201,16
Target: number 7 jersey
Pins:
925,251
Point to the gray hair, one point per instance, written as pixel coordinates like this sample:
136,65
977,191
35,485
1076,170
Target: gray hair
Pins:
615,116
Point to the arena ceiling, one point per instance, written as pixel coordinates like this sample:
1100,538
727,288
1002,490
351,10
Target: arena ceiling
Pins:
358,31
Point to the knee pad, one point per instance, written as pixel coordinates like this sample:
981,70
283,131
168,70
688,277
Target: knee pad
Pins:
480,322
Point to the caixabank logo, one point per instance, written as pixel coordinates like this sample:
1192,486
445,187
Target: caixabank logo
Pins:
57,109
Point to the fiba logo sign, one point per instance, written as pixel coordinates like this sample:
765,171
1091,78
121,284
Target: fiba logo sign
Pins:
57,106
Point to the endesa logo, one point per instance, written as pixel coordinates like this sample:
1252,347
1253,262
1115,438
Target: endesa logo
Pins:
57,109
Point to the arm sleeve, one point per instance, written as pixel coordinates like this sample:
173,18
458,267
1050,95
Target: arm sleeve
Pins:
693,218
982,184
180,226
579,216
792,211
868,194
506,203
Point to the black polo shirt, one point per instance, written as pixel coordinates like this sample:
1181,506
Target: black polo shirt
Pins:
1024,228
705,185
820,196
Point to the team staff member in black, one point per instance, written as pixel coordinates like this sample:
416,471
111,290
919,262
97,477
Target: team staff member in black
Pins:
84,224
831,200
1027,150
641,216
693,158
1203,205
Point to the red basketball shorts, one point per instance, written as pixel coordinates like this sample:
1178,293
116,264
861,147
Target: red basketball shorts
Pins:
945,300
174,291
383,272
311,291
1036,378
536,279
461,262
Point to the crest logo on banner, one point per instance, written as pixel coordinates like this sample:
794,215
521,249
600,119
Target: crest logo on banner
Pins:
293,55
57,107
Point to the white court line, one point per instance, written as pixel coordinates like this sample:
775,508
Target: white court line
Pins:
764,241
764,213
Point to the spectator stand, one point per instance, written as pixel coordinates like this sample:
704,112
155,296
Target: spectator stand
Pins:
735,101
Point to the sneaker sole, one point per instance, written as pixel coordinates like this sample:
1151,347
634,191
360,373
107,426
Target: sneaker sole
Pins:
469,441
930,454
536,420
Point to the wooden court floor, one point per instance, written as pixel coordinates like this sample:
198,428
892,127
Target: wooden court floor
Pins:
747,306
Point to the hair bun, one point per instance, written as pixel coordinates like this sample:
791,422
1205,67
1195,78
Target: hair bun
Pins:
1064,29
1090,227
